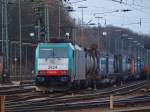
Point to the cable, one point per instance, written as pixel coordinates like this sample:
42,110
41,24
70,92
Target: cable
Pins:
137,5
129,6
130,23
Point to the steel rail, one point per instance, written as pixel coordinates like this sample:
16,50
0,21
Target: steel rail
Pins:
51,101
79,105
79,97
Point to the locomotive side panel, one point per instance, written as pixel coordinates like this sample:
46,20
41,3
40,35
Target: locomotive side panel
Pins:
80,72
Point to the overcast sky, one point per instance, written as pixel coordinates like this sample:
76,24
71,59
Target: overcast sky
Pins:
140,9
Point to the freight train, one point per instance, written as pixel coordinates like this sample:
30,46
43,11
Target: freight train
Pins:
59,65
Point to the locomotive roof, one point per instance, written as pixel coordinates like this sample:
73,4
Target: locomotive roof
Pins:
77,47
53,44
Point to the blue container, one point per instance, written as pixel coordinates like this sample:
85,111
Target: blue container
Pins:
125,64
111,64
102,65
140,65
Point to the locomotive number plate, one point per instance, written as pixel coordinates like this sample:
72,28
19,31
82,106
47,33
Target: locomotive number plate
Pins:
52,67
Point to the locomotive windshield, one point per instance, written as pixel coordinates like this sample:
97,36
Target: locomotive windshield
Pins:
53,53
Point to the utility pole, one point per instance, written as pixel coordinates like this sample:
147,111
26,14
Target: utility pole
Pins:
99,39
38,29
47,36
15,51
59,22
147,58
82,15
26,59
20,38
5,40
2,17
82,7
140,22
74,32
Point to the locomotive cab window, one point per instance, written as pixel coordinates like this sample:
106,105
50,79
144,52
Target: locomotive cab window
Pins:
60,53
53,53
46,53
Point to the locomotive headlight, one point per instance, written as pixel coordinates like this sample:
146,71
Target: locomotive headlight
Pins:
64,72
64,79
41,72
41,79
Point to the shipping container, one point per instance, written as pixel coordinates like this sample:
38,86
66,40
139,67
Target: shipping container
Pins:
132,66
102,65
111,64
125,64
118,64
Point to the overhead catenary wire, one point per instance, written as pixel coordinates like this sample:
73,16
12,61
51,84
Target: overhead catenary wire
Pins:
130,5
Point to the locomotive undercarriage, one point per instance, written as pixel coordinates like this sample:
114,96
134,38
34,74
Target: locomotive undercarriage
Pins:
53,83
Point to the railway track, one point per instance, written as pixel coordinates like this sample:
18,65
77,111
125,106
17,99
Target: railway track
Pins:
137,109
72,101
77,94
13,90
78,105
